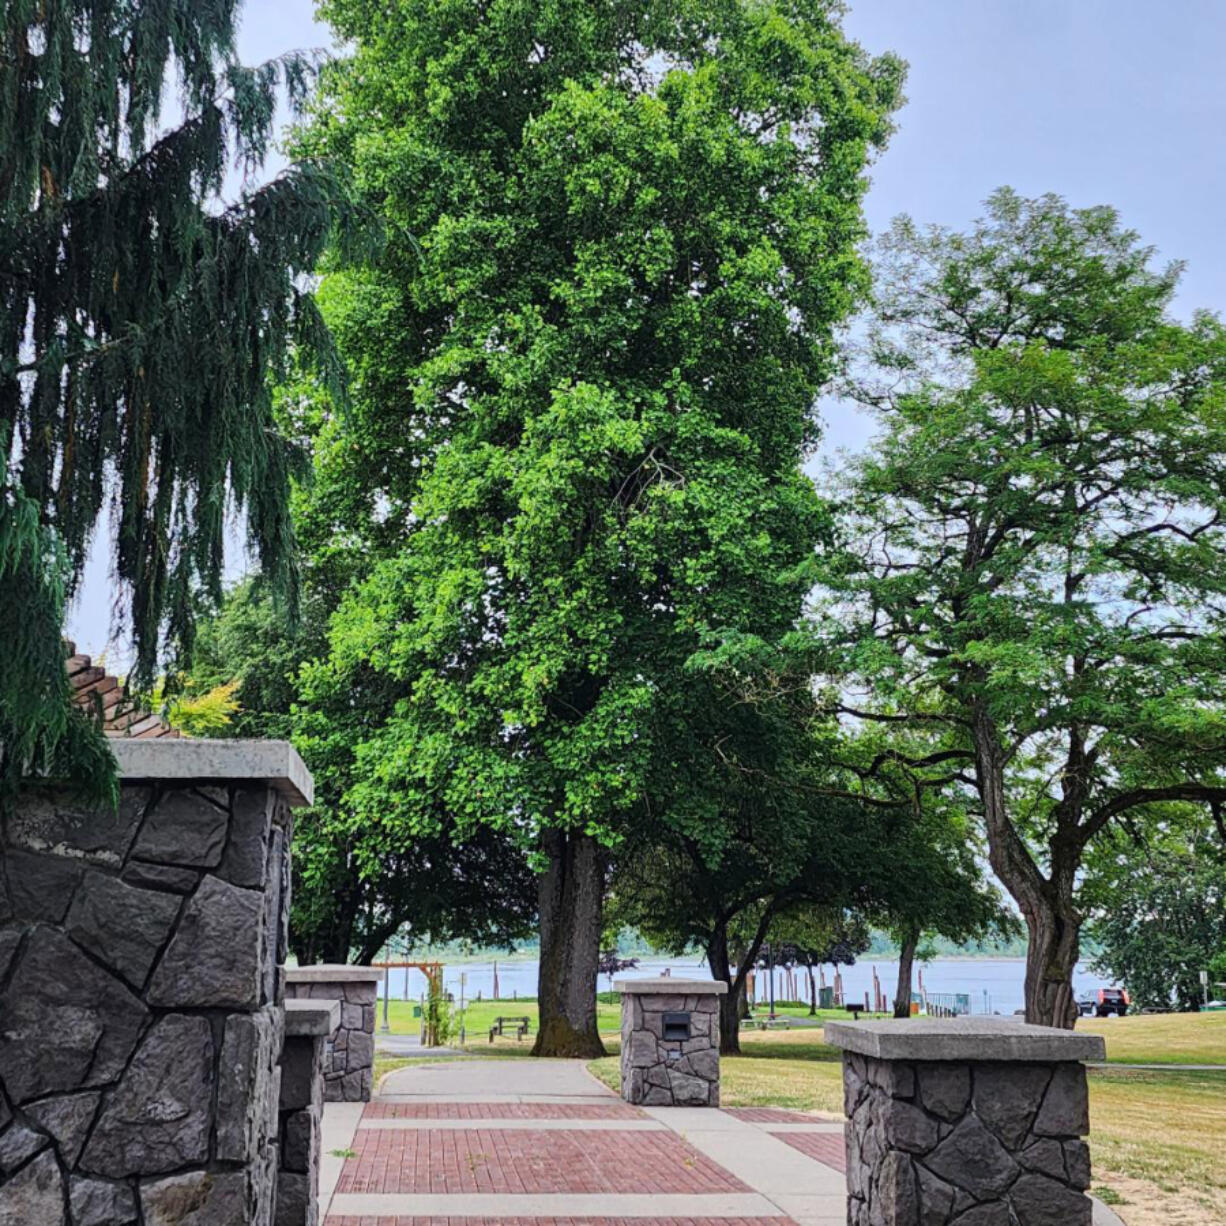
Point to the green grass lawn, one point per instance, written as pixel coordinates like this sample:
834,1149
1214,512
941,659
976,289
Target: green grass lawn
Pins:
1162,1038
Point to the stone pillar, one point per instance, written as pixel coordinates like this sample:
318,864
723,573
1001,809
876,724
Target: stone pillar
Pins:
974,1121
349,1058
308,1023
670,1041
141,990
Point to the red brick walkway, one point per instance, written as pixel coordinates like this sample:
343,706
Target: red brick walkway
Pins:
529,1162
568,1155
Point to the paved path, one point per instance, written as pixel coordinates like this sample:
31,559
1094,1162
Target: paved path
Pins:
508,1142
542,1143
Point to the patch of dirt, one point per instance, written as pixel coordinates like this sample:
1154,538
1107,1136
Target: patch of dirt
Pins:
1149,1205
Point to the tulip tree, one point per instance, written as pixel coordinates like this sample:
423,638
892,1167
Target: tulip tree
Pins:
620,236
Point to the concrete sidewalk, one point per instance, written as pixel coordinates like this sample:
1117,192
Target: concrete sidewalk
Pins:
523,1142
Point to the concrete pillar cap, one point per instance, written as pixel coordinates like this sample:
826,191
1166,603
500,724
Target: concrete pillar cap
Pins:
963,1039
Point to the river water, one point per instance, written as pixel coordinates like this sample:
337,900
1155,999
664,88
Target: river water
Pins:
994,985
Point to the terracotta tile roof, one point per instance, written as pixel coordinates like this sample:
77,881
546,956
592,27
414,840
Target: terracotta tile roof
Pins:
120,715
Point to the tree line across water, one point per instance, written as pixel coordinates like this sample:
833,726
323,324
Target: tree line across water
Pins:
566,633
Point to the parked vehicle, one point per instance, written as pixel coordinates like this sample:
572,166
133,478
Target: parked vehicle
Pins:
1104,1002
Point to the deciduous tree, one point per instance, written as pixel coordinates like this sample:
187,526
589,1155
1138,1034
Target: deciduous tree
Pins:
585,386
1036,560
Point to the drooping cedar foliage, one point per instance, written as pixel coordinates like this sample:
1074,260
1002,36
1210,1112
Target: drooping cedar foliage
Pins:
142,321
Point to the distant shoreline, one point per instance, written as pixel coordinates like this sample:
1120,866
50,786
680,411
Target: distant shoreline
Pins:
534,956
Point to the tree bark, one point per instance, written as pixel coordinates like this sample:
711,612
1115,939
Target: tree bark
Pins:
730,1003
906,963
1054,929
1052,922
571,895
812,990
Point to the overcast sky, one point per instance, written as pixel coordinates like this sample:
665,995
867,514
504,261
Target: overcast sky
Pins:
1116,102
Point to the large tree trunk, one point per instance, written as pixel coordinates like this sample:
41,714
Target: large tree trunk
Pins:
812,990
730,1003
571,896
1054,929
1052,922
906,963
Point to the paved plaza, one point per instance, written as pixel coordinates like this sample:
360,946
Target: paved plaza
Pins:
520,1143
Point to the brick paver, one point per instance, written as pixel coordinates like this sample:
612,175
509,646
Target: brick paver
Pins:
829,1148
772,1115
529,1162
367,1220
502,1111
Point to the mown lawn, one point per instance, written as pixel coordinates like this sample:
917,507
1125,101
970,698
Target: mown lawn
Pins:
1162,1038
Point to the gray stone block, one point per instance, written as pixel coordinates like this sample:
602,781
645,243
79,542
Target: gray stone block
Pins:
705,1064
245,862
67,1119
99,1202
1077,1164
301,1060
299,1140
10,939
184,827
67,1023
642,1051
35,1195
689,1091
936,1197
1066,1106
1007,1097
41,888
972,1158
275,916
159,1117
1044,1156
247,1097
198,1198
123,926
161,877
1039,1201
995,1213
353,1016
213,960
53,821
17,1145
361,1049
896,1196
945,1089
295,1204
908,1128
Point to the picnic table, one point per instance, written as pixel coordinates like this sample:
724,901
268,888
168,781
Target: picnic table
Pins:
520,1025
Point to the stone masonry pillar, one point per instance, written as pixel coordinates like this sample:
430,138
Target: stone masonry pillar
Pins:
141,989
966,1121
670,1041
349,1057
308,1023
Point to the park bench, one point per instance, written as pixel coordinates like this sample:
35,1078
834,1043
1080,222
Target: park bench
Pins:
779,1023
500,1025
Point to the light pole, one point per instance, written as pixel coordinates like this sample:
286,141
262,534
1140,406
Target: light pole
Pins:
387,990
770,960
